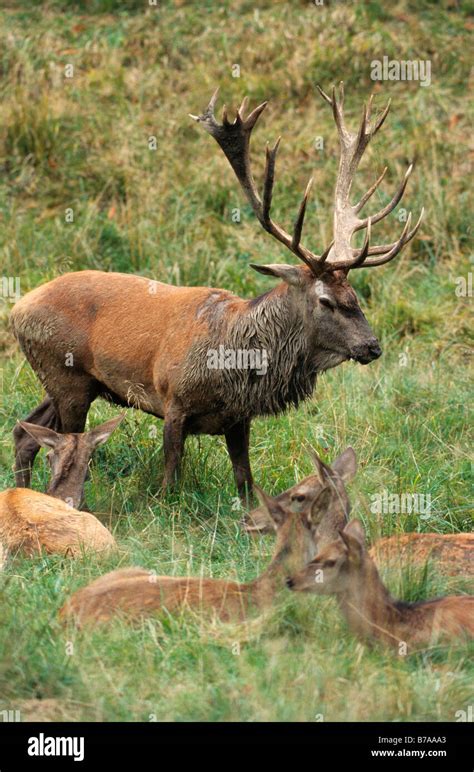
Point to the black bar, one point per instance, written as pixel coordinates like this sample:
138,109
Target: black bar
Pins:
139,744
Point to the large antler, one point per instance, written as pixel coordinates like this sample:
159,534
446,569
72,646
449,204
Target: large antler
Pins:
346,221
234,139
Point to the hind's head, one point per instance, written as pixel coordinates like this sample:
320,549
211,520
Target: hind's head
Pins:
300,498
69,456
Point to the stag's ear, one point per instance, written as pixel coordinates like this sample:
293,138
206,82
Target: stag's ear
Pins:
100,434
292,274
271,506
45,437
345,465
353,536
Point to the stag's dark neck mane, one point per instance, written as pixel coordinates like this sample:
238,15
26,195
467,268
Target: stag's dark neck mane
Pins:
270,327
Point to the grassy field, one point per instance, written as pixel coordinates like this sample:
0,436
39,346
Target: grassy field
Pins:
82,143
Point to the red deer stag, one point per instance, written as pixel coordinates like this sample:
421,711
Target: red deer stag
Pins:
346,570
150,345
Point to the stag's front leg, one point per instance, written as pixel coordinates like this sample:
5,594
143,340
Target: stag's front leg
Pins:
237,439
174,435
26,447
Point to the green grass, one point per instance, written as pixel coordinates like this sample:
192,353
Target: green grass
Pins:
83,143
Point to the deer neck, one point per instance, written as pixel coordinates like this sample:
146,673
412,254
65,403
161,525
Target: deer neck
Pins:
286,559
367,605
69,491
274,327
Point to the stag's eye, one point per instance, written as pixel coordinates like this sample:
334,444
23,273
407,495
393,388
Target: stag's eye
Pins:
327,302
329,564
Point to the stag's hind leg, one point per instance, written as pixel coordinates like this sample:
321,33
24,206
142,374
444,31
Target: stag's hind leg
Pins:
237,439
26,447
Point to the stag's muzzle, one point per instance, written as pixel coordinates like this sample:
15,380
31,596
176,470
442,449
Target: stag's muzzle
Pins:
366,352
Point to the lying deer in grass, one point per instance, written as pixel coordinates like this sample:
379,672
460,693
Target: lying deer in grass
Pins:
137,592
148,345
345,569
32,522
451,553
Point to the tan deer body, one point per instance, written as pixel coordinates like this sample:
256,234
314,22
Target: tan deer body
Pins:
33,522
137,592
346,570
146,344
452,554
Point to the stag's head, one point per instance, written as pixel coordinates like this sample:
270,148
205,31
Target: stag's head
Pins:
319,290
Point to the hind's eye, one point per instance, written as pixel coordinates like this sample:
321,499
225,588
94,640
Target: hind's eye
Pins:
327,302
300,498
329,563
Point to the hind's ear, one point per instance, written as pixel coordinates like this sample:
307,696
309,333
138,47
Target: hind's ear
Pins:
353,536
320,505
345,465
100,434
271,506
318,465
47,438
292,274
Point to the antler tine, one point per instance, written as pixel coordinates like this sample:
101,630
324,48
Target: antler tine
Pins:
381,119
392,204
370,192
363,136
208,114
300,219
252,119
322,259
369,107
337,110
324,95
365,248
269,179
382,249
243,107
397,246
